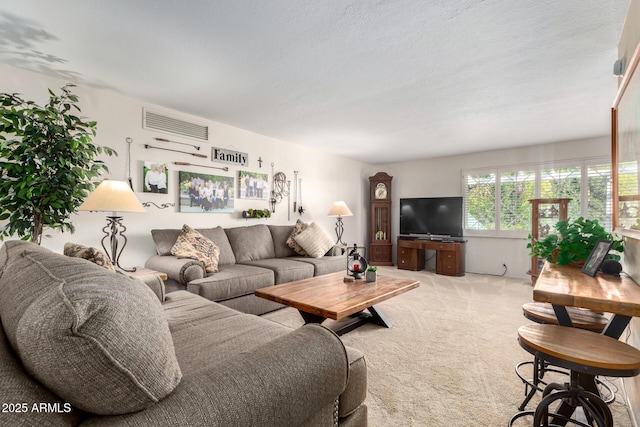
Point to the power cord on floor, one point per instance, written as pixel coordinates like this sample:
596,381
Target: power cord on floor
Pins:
492,274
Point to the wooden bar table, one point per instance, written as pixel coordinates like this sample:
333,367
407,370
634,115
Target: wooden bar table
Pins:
566,286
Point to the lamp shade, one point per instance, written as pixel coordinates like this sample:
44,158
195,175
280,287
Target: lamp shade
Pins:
112,196
340,208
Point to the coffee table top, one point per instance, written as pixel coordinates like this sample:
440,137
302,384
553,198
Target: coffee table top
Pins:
330,297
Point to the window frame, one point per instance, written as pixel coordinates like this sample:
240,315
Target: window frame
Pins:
497,172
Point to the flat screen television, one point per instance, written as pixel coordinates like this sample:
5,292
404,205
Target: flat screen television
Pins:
431,216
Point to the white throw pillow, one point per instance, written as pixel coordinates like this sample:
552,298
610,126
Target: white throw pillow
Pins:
314,240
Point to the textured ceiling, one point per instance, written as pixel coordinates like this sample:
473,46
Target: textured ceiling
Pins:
378,81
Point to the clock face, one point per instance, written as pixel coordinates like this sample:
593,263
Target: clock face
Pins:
381,191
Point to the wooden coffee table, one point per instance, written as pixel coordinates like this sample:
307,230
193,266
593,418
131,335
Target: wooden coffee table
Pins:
330,297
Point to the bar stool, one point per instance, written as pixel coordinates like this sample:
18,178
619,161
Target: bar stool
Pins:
543,313
585,355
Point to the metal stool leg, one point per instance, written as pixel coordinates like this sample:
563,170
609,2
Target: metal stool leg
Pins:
531,386
595,409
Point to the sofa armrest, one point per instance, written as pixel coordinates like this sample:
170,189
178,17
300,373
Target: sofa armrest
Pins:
283,382
154,282
181,270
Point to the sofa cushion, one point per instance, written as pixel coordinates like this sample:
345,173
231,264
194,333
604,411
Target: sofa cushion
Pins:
232,281
285,269
291,242
251,243
199,326
192,244
314,240
97,339
164,239
219,237
280,235
94,255
326,264
20,389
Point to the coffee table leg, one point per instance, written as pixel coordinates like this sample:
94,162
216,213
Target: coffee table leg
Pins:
311,318
378,317
352,322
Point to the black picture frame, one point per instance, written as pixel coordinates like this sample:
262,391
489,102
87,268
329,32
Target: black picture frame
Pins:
596,257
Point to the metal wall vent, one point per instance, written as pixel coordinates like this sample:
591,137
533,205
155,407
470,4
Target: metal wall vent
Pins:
164,123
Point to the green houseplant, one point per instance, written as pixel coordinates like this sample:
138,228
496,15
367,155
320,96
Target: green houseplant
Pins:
574,242
256,213
371,275
47,163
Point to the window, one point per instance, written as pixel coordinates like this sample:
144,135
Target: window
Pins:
563,182
497,199
628,185
516,188
479,201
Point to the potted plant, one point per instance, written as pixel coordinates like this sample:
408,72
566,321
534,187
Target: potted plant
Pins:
371,274
574,242
47,163
256,213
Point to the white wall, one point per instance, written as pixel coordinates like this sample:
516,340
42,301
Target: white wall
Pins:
325,177
442,177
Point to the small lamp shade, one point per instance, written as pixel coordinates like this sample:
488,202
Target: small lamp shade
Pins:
340,208
112,196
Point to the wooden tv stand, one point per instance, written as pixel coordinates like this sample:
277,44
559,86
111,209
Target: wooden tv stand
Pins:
449,255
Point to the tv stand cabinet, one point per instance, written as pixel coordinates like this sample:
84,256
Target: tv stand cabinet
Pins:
449,255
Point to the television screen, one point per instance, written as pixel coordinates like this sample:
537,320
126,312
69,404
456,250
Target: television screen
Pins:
436,216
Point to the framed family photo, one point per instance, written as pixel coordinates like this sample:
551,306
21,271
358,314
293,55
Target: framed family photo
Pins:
253,185
156,176
205,193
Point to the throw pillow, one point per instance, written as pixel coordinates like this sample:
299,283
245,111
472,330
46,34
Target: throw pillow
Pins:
192,244
94,255
96,339
291,242
315,241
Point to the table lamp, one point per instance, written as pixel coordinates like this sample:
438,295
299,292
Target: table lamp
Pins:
113,196
339,209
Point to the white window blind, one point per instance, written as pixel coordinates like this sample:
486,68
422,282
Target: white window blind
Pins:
496,200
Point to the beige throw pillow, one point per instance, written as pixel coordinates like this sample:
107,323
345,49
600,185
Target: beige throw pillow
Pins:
192,244
94,255
315,241
291,242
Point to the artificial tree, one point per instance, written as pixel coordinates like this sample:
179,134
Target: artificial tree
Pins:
47,163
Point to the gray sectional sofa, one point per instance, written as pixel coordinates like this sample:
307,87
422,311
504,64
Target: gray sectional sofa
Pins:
251,258
81,345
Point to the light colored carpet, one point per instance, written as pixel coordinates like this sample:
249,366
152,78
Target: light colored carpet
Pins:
449,358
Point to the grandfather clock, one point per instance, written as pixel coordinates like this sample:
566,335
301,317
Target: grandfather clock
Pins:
380,246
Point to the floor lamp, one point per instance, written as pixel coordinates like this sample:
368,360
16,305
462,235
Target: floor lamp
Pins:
339,209
113,196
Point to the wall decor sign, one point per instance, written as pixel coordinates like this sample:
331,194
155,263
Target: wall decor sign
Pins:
223,155
253,185
205,193
156,176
